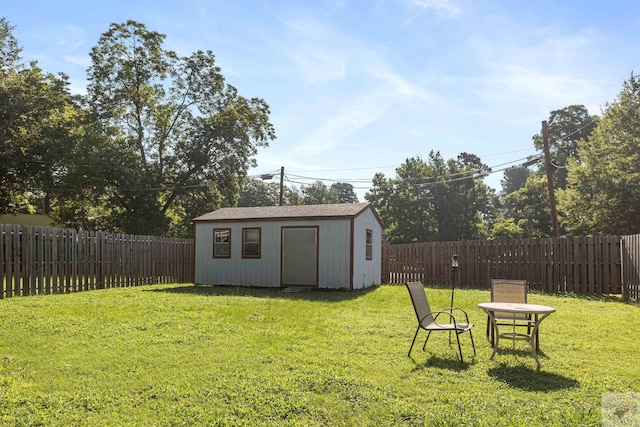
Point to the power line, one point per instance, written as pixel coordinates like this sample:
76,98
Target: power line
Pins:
474,173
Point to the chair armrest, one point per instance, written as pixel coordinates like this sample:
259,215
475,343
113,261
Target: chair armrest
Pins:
435,315
466,315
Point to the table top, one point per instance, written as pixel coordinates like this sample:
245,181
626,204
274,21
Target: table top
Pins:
513,307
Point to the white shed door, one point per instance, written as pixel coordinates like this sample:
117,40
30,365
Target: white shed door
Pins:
300,256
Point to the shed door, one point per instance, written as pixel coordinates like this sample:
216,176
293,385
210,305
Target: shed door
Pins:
300,256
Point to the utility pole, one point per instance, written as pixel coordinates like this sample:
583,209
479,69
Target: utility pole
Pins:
550,171
281,183
267,176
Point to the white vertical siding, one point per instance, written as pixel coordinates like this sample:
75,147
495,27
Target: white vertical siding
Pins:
335,260
334,257
235,270
367,272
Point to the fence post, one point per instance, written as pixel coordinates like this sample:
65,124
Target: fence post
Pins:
623,275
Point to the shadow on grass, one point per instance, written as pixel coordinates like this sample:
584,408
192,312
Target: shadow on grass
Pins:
325,295
528,379
524,352
450,364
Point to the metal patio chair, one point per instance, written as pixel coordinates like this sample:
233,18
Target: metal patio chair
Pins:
430,322
507,290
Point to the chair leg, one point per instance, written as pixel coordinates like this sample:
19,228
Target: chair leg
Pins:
425,341
459,348
472,343
413,342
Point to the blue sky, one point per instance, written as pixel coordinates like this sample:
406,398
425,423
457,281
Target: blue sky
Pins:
357,87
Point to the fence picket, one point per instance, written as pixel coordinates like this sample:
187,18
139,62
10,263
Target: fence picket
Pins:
582,265
3,279
37,260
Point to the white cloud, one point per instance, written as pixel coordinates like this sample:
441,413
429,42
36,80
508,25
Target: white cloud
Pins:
320,67
354,85
336,128
403,88
541,69
318,52
386,91
84,60
445,7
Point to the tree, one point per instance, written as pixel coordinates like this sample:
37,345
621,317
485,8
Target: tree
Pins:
9,49
506,228
292,196
566,127
318,194
514,178
256,192
433,200
344,192
602,194
530,208
39,126
176,131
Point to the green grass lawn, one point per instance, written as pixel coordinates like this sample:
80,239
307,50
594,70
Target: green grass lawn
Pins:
182,355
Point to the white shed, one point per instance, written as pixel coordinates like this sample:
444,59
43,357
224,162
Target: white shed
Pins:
337,246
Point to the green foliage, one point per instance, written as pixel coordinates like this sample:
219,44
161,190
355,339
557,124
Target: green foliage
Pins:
318,194
175,132
433,200
37,128
9,48
506,228
530,208
344,192
159,139
602,196
186,355
525,195
514,178
567,127
255,192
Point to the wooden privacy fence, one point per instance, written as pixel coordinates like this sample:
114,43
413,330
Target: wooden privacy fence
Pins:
583,265
36,261
631,266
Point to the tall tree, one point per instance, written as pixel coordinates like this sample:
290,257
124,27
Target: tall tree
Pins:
567,126
39,126
177,131
256,192
602,196
344,192
529,208
514,178
433,200
318,194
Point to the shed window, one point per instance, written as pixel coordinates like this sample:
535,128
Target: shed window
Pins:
369,244
251,243
221,242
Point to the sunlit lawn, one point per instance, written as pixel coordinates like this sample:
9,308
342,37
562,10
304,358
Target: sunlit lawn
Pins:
183,355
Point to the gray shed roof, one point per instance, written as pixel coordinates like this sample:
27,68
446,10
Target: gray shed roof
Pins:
338,210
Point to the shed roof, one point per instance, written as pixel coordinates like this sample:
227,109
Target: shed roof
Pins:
338,210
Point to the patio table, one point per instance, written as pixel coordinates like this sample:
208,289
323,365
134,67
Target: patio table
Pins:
538,312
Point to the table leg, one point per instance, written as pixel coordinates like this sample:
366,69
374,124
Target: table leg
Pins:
537,336
534,342
495,334
534,337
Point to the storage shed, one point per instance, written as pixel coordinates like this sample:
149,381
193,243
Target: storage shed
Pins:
336,246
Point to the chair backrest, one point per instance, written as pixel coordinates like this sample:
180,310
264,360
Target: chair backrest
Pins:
420,303
507,290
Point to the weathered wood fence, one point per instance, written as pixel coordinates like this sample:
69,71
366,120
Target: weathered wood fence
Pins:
631,266
583,265
37,260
